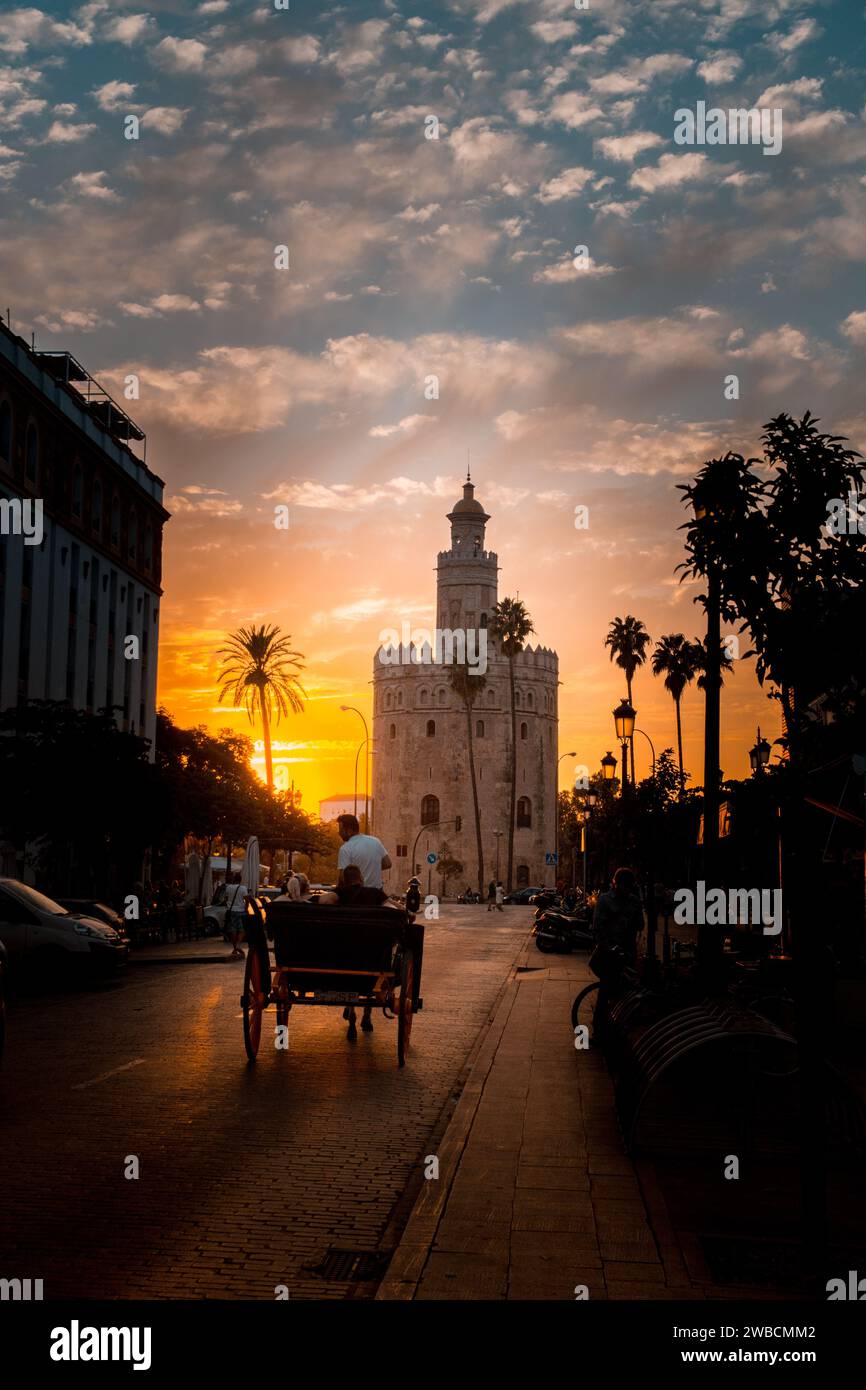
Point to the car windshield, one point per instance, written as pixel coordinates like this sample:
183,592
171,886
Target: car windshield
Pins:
39,901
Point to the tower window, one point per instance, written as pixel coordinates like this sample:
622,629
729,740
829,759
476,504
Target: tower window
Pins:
429,810
479,728
483,619
431,728
458,823
524,731
529,700
392,732
524,811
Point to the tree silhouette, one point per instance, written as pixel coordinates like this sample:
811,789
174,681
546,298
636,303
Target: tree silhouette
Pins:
678,660
259,671
628,640
510,625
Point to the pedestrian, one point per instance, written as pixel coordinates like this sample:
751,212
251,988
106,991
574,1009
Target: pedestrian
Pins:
236,914
491,896
500,895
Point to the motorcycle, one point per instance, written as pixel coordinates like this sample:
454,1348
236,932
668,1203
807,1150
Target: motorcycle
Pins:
560,933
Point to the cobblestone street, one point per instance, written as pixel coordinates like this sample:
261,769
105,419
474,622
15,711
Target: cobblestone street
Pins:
247,1174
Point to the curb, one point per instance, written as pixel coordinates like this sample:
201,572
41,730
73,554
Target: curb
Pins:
180,960
406,1268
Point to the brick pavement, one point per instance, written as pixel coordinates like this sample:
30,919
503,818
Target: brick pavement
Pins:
247,1174
536,1195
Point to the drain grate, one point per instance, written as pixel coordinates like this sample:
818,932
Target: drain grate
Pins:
351,1266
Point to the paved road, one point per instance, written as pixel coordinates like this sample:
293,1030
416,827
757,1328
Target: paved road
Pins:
247,1174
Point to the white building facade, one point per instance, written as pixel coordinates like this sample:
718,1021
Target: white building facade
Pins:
73,592
422,793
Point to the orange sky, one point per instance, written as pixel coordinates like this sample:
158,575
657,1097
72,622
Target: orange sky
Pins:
351,565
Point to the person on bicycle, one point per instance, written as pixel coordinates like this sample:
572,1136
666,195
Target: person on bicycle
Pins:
618,918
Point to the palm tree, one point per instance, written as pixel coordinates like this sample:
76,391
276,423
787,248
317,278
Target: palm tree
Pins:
510,625
259,671
468,687
678,661
726,663
628,640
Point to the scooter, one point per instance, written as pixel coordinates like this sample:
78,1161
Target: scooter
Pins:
560,933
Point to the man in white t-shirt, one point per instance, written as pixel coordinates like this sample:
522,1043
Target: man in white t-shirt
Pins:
371,857
368,853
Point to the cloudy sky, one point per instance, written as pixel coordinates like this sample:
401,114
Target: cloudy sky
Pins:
599,385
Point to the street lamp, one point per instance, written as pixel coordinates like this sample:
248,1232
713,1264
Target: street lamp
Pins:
498,834
652,747
759,756
556,816
352,709
623,719
608,766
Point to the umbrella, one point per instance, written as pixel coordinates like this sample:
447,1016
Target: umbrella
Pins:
192,877
250,873
207,881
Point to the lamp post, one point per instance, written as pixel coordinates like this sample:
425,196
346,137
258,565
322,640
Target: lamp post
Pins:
652,748
556,817
354,710
432,825
608,766
759,756
623,719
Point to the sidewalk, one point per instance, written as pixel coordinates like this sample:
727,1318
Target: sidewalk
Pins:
205,951
536,1195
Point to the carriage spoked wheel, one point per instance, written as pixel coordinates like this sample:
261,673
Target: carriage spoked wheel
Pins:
404,1012
257,983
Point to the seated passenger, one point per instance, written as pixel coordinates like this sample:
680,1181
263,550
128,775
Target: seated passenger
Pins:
352,893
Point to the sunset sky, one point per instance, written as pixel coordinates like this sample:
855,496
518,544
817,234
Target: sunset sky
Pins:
410,257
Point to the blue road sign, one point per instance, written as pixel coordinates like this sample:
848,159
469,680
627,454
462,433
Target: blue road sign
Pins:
431,857
551,858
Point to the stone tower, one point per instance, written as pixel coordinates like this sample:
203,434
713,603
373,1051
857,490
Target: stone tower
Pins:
420,737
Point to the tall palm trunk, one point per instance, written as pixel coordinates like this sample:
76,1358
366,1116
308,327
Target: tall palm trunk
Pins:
266,737
677,699
631,740
512,814
475,806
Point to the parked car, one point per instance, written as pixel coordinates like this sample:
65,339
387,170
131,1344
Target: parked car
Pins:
522,895
41,937
91,907
215,912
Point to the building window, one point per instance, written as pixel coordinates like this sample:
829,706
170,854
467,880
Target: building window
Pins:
132,536
518,698
424,697
479,728
443,696
458,824
148,548
388,699
31,454
5,431
429,810
431,728
523,875
399,699
76,490
96,508
483,619
524,811
392,732
115,522
491,697
529,701
524,731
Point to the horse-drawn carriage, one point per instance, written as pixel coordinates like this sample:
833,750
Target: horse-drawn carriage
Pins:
345,957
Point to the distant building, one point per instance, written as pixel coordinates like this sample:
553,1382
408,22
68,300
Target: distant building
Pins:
74,589
421,767
344,805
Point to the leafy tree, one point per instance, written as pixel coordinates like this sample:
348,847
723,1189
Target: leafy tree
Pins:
259,670
510,625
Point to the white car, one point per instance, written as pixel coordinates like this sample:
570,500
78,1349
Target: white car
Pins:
42,936
215,912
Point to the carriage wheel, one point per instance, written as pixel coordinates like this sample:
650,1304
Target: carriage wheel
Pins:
256,987
404,1016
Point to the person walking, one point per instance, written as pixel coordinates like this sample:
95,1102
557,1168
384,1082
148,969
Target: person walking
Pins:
491,896
236,914
500,895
